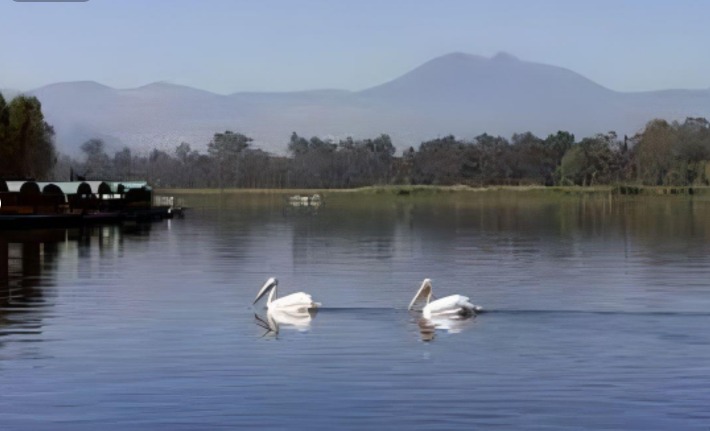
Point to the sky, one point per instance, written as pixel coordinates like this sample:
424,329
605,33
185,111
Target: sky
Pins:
228,46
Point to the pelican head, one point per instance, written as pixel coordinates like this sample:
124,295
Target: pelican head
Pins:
424,292
270,284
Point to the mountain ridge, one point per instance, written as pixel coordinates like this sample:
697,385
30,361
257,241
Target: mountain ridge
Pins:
457,93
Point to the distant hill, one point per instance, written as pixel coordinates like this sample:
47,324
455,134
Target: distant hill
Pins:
458,93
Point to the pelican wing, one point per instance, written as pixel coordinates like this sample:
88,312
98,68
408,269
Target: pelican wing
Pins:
300,320
451,304
298,300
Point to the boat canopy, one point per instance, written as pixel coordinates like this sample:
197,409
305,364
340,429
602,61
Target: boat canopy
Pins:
73,187
14,186
67,187
124,186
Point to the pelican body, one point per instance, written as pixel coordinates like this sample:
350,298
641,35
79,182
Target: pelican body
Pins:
298,302
452,306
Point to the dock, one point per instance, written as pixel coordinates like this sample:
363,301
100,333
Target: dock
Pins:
32,204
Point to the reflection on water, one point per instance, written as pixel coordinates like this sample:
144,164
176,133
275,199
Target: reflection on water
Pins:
28,262
23,292
25,289
598,315
449,324
277,319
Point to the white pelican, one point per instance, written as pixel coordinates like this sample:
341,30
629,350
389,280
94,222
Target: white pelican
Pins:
294,303
452,306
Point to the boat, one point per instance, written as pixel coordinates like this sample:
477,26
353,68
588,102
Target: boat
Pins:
31,204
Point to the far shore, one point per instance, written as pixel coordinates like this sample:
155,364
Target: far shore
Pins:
403,190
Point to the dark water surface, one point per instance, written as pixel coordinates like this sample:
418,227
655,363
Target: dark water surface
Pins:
599,317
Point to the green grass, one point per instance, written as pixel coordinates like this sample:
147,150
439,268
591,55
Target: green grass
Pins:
420,190
400,190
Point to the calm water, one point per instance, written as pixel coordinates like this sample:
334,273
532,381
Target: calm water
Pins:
598,317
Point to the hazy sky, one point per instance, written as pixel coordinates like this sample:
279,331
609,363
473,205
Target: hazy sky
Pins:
233,45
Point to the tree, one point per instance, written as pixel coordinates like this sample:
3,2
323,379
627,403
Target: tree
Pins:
531,160
495,160
26,140
693,150
122,164
184,153
366,162
162,169
402,166
97,164
654,152
297,145
314,162
555,148
595,160
225,149
381,157
6,153
573,166
188,161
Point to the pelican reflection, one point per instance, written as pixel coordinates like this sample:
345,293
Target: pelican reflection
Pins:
277,319
452,325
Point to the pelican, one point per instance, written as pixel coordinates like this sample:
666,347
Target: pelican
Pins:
298,302
452,306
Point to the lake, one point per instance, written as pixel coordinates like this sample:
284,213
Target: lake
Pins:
597,317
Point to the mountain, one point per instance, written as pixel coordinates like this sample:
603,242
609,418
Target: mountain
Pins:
462,78
457,93
466,95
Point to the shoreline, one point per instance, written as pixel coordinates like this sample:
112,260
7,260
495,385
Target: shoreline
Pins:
433,190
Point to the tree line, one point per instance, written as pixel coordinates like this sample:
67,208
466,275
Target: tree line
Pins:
26,140
674,154
663,153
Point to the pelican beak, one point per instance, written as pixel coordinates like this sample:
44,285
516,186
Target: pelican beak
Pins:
423,292
414,300
270,284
